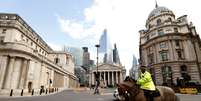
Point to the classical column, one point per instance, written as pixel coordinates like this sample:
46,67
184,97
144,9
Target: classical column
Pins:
105,81
16,73
100,75
117,77
112,78
93,78
8,76
52,78
121,78
23,74
26,74
4,62
108,75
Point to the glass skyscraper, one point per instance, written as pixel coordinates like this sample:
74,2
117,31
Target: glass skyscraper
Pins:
105,50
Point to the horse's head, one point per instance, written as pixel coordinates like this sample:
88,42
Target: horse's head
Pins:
124,88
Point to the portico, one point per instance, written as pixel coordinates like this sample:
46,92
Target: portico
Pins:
109,73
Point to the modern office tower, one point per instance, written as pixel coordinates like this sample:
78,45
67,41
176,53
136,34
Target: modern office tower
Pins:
77,54
116,58
86,59
105,50
134,71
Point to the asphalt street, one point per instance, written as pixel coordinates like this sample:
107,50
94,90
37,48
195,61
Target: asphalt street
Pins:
85,95
67,95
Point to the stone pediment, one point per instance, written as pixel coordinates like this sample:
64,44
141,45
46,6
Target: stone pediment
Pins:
109,67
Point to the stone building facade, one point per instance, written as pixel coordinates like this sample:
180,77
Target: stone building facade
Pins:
170,47
110,74
27,62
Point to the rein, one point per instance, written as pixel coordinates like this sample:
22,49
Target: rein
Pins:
134,91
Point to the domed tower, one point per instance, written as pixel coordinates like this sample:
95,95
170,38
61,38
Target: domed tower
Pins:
170,47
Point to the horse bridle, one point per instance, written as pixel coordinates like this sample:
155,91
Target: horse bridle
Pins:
134,89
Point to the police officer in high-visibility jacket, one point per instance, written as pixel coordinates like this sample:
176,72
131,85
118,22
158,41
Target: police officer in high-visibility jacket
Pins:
146,83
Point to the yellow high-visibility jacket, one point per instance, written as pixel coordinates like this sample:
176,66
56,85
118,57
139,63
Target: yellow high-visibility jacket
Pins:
145,81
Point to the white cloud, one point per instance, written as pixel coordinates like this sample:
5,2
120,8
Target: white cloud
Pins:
55,47
123,19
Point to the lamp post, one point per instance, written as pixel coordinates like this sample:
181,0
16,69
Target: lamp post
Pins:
97,46
97,76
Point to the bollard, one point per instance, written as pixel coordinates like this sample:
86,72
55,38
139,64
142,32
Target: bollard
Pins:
11,92
22,92
46,91
32,93
40,91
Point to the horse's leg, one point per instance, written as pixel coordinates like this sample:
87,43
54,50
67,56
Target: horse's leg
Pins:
158,98
140,97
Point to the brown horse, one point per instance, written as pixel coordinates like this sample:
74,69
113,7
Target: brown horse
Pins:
130,91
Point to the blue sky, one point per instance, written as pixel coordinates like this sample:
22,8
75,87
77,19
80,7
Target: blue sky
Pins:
80,23
41,15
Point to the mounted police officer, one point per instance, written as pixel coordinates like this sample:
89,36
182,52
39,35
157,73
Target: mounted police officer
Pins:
146,83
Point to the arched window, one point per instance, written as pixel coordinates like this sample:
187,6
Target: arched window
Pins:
158,22
169,19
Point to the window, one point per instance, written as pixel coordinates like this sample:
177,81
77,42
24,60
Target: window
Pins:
158,22
150,26
167,75
22,36
150,50
151,58
160,32
4,31
162,45
1,39
56,60
152,34
67,60
176,30
183,69
31,43
177,43
179,54
147,37
164,56
169,19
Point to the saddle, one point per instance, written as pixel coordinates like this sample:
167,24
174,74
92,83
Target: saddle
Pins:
151,94
155,93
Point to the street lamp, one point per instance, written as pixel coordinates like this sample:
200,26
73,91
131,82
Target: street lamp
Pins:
97,77
97,46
